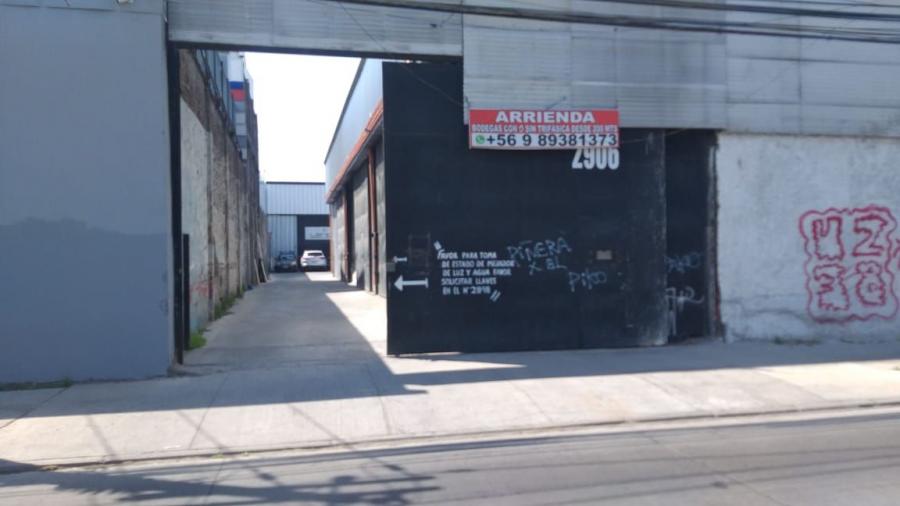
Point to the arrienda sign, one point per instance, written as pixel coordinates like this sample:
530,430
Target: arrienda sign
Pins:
533,129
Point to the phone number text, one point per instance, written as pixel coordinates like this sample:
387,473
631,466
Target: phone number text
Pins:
543,141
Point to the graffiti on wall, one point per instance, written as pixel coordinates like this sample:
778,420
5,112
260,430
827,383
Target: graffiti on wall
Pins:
538,256
682,263
678,299
849,271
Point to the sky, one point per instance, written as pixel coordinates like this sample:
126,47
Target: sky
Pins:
298,100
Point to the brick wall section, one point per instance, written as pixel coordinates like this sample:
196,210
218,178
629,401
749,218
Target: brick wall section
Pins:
220,198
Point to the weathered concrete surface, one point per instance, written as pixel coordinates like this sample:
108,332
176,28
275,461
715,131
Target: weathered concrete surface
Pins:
765,185
220,198
300,363
195,172
18,403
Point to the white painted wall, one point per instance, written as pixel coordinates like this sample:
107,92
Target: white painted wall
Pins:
195,212
765,185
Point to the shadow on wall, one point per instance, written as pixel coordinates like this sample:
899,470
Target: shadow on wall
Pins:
82,303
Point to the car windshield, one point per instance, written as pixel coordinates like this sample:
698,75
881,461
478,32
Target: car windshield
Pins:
314,254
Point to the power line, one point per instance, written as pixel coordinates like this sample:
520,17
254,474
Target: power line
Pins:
433,87
675,24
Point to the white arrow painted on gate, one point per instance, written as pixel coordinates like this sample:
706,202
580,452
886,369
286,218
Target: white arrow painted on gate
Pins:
400,283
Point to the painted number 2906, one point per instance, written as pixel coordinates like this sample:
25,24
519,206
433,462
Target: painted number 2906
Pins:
596,158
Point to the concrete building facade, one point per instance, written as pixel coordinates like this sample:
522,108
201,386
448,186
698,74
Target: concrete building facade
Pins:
801,237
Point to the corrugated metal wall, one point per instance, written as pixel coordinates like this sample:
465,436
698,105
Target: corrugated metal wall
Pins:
315,25
282,234
296,198
656,78
782,85
362,100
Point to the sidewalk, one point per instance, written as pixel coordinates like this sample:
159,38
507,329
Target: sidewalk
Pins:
227,406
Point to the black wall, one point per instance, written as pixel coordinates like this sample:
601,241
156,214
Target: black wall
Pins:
593,273
688,232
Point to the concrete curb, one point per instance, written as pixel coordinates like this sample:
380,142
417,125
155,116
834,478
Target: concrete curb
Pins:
7,468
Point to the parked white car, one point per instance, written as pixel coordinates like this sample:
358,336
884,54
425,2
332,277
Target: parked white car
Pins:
313,258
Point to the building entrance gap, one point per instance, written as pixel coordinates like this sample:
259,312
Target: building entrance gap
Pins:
466,250
255,260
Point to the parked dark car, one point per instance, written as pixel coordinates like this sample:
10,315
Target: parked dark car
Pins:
286,262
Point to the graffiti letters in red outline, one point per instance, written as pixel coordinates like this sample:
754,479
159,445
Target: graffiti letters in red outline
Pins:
858,285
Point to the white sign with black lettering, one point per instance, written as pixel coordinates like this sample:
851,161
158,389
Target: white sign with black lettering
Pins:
316,233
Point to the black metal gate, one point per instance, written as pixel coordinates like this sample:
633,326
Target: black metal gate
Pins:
514,250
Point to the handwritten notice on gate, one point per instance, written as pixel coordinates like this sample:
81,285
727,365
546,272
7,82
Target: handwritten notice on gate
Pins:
531,129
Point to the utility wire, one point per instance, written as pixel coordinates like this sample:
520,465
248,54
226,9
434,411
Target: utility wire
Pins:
675,24
371,37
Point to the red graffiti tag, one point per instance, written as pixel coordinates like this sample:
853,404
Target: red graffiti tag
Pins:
858,286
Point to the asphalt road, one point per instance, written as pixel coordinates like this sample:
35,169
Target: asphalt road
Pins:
835,459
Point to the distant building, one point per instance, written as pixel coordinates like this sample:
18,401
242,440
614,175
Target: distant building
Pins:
297,218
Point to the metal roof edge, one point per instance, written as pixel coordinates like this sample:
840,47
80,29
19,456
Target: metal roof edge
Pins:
340,121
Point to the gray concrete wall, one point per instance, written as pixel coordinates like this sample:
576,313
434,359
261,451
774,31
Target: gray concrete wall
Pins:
85,282
195,212
808,238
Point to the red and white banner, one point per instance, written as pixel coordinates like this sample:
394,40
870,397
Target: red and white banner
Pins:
532,129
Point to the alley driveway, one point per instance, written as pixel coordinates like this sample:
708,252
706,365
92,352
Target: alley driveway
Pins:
294,319
299,363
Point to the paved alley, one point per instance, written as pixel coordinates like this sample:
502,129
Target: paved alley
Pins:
295,318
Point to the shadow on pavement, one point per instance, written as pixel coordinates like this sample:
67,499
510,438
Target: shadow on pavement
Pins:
297,340
615,466
185,483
